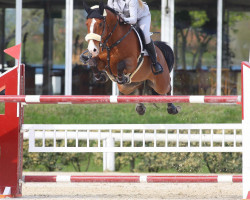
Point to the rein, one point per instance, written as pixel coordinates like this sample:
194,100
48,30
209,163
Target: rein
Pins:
104,45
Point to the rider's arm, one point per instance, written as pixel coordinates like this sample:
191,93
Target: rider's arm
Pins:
110,3
133,5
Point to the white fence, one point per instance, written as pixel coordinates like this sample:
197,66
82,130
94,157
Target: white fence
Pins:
111,138
134,138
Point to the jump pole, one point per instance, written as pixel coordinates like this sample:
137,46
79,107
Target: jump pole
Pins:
136,179
88,99
11,138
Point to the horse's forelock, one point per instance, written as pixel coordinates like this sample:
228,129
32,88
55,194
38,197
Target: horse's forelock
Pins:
94,13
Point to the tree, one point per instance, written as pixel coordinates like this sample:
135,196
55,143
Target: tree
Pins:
182,25
223,162
204,27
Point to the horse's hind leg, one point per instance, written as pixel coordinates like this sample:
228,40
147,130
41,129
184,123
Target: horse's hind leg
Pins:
128,89
172,109
140,107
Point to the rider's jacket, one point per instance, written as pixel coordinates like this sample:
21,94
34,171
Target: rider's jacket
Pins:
129,10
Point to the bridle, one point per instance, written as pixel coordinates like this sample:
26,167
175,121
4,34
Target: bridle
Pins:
104,42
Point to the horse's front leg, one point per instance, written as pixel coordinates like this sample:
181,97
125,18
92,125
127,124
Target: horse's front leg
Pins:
122,79
100,76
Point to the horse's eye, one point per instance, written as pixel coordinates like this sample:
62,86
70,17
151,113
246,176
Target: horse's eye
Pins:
101,24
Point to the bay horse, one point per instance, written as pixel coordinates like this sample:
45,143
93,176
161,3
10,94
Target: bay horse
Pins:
114,52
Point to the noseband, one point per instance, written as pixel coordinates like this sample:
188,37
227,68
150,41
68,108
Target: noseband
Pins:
96,37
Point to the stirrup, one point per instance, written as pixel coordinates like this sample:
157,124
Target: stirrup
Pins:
157,72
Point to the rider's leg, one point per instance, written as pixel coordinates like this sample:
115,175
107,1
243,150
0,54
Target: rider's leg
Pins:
144,24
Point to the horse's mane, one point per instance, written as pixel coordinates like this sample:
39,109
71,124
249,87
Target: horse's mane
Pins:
111,9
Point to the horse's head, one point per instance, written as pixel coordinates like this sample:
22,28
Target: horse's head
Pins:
96,20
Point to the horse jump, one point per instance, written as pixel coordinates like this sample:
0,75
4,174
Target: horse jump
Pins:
11,137
46,99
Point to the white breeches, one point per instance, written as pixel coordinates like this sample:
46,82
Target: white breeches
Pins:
145,23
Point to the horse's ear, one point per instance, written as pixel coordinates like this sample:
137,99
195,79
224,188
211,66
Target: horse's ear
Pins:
86,7
101,8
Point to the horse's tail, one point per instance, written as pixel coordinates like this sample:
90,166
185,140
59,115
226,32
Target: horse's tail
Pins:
167,52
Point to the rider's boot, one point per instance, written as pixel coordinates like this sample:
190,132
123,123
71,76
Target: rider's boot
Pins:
152,53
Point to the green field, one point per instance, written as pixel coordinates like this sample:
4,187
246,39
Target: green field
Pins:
126,114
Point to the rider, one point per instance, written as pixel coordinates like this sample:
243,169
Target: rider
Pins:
136,11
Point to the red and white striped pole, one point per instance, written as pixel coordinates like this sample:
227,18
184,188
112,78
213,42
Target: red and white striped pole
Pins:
137,179
46,99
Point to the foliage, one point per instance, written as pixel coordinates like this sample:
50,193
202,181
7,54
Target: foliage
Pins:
185,162
152,162
223,162
155,20
76,159
235,17
198,18
32,34
196,29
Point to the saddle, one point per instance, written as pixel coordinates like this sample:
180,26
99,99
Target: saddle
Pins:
141,39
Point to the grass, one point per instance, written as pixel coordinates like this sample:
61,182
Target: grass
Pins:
2,108
126,114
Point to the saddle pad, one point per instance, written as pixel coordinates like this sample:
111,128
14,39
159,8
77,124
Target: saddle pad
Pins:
143,51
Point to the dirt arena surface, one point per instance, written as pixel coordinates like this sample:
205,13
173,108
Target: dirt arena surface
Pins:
106,191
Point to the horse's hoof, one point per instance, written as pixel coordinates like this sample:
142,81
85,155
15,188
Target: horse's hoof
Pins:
101,79
140,109
122,80
173,110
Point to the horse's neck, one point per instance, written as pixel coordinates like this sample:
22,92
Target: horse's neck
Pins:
119,32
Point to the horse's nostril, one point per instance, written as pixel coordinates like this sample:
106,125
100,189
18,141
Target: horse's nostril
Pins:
95,50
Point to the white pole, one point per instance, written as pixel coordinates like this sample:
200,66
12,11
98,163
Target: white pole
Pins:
115,90
110,155
104,158
68,47
219,45
19,7
245,128
167,27
18,24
